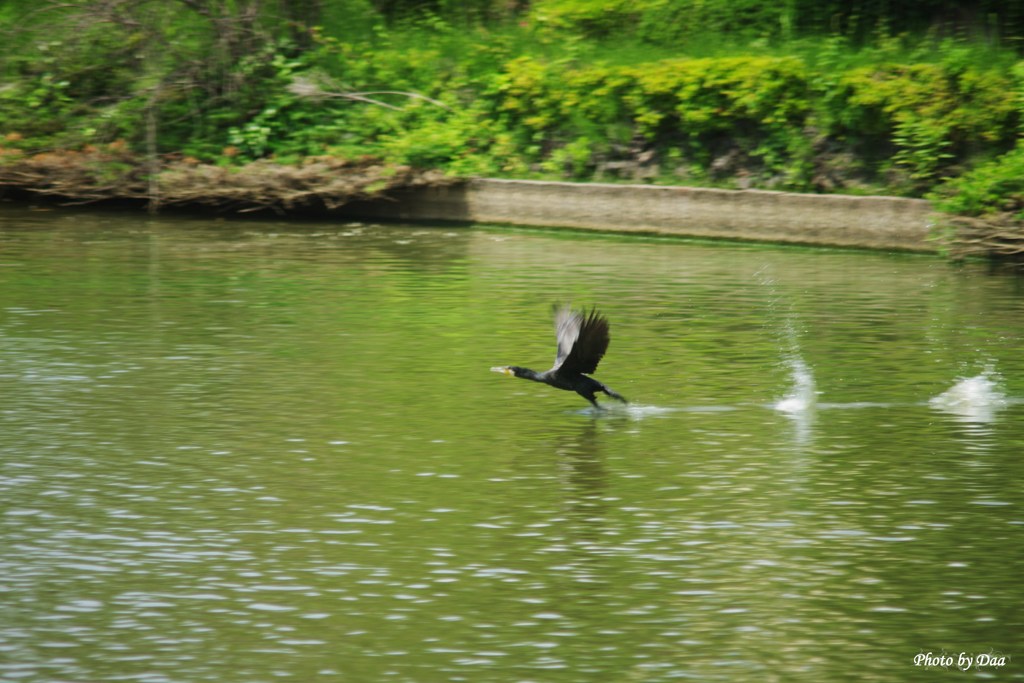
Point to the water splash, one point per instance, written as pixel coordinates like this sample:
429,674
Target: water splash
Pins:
639,412
802,395
974,399
633,411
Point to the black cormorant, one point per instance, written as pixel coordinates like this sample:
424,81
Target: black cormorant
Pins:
582,340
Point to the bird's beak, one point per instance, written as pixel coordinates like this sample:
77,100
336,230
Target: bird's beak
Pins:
504,369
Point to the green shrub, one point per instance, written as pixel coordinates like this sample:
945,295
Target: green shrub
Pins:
665,21
594,18
930,116
994,187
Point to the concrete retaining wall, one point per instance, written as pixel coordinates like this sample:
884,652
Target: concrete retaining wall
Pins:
835,220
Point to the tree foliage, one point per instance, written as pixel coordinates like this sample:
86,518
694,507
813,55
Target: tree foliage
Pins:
861,96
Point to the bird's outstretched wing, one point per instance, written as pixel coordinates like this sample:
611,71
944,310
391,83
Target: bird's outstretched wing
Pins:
582,340
567,330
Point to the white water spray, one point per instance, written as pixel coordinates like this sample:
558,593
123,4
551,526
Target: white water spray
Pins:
802,395
974,399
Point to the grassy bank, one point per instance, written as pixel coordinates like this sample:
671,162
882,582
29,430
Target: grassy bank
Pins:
722,93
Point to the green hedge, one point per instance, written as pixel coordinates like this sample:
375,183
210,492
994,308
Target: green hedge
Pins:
776,121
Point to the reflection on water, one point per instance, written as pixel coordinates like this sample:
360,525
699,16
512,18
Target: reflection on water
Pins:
246,452
800,402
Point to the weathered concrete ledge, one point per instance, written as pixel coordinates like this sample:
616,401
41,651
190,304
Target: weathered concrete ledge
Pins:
832,220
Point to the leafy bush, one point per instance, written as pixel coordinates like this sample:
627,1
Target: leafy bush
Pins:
665,21
994,187
931,116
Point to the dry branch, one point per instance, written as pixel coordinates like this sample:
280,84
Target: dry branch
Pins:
302,86
998,235
318,183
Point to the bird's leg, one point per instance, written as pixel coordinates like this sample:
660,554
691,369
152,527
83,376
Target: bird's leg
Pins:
617,397
591,398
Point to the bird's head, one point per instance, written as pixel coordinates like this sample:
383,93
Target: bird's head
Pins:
522,373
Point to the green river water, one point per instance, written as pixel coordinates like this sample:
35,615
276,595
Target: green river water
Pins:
247,451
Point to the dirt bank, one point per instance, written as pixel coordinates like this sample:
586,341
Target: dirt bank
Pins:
97,175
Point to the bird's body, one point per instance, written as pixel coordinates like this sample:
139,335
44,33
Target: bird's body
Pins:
582,340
